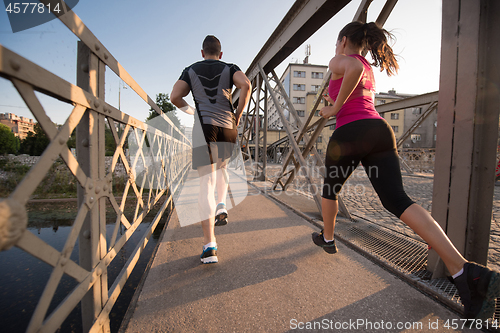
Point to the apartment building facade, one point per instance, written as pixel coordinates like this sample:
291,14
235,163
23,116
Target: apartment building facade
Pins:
301,83
19,125
402,120
395,118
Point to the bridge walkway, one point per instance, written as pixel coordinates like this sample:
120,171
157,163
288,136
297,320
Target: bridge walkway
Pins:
271,278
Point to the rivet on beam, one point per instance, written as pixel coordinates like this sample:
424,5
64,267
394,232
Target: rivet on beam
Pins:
97,47
15,65
64,261
85,68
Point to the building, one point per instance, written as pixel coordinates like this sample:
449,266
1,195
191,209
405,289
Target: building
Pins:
395,118
188,132
301,83
402,120
19,125
425,135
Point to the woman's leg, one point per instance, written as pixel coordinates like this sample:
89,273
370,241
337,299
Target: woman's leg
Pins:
329,209
477,285
341,160
385,176
426,227
384,171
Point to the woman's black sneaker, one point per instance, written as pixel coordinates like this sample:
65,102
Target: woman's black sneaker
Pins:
319,240
478,287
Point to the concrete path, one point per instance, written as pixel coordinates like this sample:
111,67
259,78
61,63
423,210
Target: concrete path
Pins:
272,278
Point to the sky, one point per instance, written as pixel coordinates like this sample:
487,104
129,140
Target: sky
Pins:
155,40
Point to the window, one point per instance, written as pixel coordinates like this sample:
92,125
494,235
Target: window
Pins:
299,87
315,87
299,73
416,137
319,151
299,100
301,113
395,116
395,129
319,139
381,101
332,127
316,75
316,113
417,111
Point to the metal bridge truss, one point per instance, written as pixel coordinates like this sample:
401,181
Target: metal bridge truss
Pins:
462,192
297,27
89,117
468,113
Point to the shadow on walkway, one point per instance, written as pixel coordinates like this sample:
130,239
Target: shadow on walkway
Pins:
270,278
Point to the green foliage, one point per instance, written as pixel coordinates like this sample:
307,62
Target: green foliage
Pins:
72,140
110,144
16,174
35,143
9,144
59,182
163,102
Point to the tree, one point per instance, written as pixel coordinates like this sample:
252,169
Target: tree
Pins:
163,102
9,144
36,142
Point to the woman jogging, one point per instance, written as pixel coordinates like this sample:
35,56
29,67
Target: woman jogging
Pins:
362,135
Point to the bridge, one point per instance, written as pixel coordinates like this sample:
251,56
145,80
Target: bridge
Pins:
271,278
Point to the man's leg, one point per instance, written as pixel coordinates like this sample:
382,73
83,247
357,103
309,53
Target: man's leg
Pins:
222,180
225,148
206,201
222,186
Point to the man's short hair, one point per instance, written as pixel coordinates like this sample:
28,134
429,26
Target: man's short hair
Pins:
211,45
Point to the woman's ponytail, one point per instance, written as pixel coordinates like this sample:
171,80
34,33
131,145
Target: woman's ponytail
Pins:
374,39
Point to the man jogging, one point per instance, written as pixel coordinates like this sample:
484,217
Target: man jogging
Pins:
214,134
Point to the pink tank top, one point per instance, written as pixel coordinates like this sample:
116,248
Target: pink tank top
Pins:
360,105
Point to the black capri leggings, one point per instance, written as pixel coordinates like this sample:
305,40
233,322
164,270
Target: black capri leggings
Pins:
371,142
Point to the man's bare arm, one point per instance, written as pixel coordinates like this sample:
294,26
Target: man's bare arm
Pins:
243,83
179,91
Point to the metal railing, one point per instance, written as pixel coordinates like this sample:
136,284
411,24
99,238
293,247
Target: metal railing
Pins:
165,162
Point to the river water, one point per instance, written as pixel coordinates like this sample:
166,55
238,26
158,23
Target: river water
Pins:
23,277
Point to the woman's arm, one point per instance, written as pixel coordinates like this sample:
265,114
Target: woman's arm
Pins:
351,69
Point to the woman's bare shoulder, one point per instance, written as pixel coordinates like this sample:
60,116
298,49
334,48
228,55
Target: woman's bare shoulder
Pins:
340,63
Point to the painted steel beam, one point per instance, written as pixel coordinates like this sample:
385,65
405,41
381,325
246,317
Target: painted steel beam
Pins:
410,102
467,134
300,23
